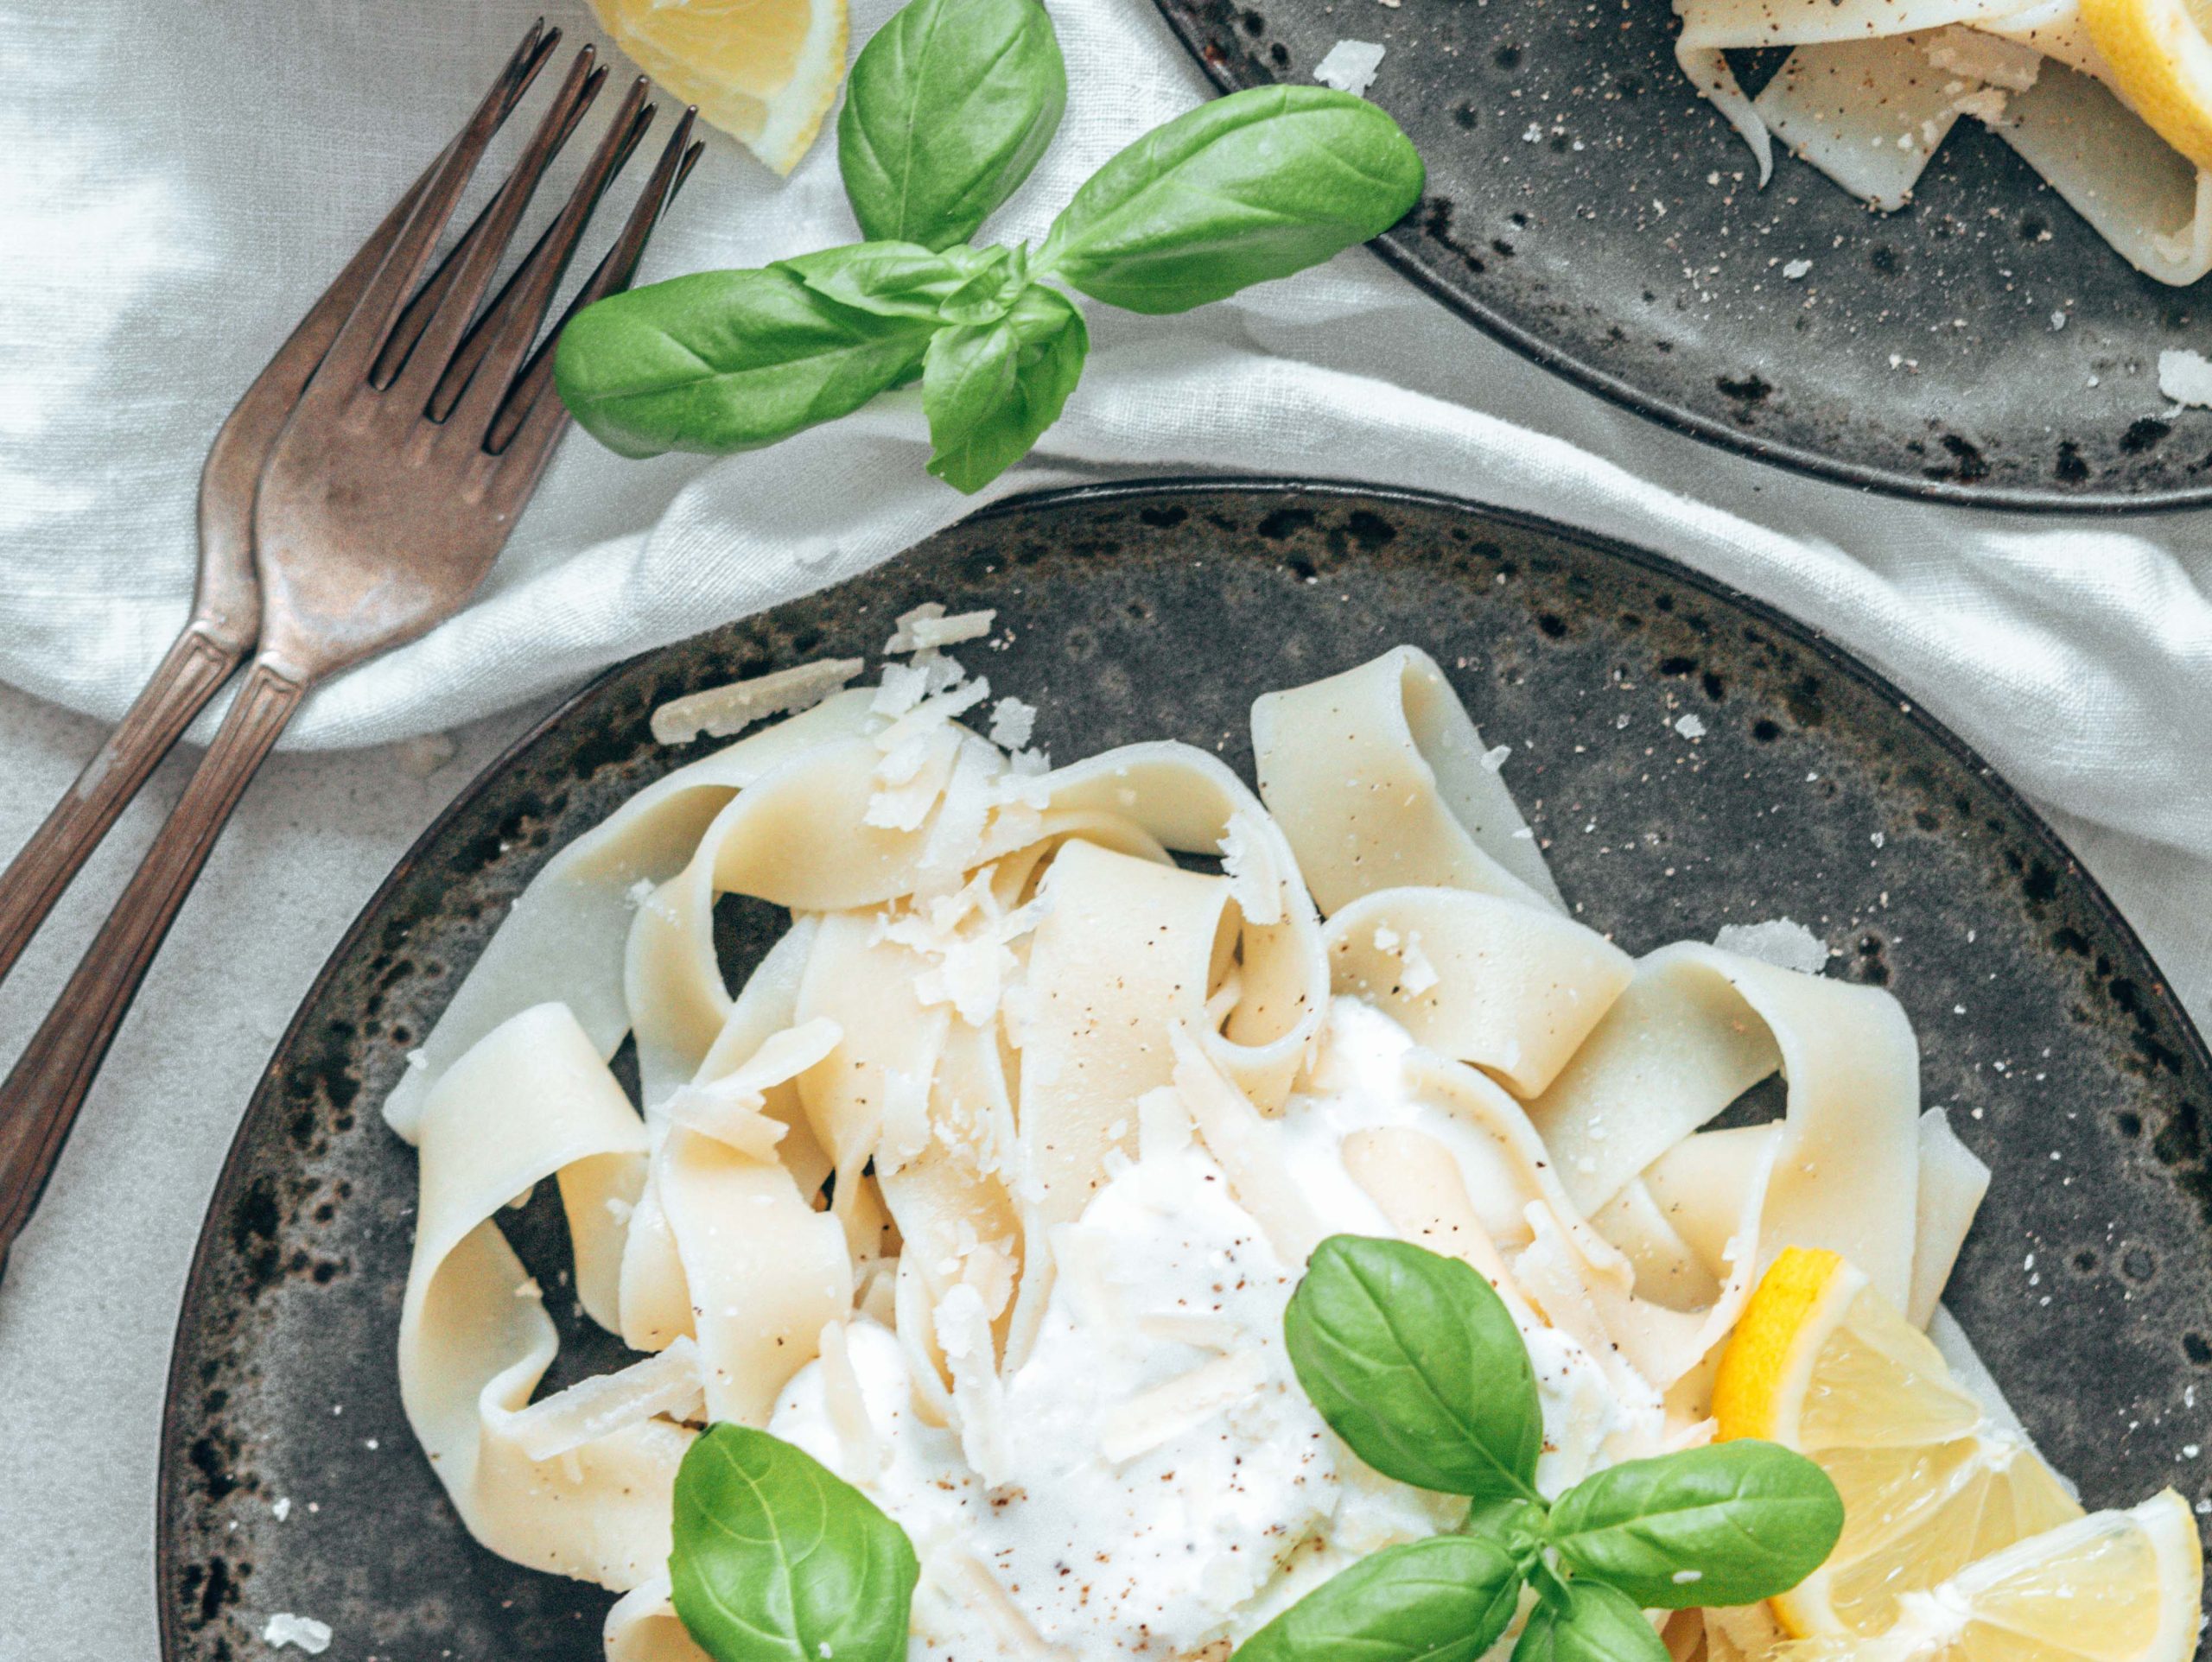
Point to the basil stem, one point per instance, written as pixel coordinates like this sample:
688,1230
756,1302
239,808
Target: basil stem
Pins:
727,360
1446,1599
1730,1523
991,389
1254,185
947,110
959,285
1413,1360
777,1558
1590,1623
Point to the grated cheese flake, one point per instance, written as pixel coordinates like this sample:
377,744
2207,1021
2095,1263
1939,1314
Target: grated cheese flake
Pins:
721,712
1011,723
1782,942
1255,877
667,1382
2185,377
284,1629
1349,66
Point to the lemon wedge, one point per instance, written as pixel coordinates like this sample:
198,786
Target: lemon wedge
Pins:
2113,1586
765,71
1822,1363
2161,63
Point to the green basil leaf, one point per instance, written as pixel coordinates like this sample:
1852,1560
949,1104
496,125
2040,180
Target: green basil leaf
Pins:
726,360
1254,185
1730,1523
1593,1624
958,285
1413,1360
777,1559
1446,1599
947,110
991,389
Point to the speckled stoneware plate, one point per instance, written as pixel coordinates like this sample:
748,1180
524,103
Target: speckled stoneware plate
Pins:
1588,209
1139,611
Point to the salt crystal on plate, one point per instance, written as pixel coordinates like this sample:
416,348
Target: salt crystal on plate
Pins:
1689,726
1349,66
1782,942
1797,268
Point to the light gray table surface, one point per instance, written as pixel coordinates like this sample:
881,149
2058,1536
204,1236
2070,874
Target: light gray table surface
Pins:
89,1299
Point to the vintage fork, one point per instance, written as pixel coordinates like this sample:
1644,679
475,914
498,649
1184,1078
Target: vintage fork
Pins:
226,601
384,500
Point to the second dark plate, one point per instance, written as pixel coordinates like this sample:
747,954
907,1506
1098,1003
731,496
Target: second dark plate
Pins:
1589,210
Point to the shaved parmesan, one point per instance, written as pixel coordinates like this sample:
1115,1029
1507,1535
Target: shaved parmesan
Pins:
964,1332
1349,66
2185,377
665,1383
1783,942
906,1132
1981,57
956,840
902,633
285,1628
1166,1412
932,634
1255,876
720,712
903,687
1244,1144
926,629
1011,723
865,1453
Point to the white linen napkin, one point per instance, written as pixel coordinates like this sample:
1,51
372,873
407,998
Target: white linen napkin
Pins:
182,179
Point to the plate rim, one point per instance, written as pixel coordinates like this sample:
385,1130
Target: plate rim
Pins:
1398,247
1839,658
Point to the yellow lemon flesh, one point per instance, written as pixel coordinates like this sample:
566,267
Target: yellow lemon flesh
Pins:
1822,1364
2161,62
2114,1587
763,71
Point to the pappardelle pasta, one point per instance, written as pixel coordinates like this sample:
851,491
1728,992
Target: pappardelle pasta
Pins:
988,1188
2104,98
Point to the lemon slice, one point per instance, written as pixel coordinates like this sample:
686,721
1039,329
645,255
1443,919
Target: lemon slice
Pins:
1822,1363
765,71
2161,63
2114,1587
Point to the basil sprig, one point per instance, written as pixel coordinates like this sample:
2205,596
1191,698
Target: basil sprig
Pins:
776,1556
1415,1362
949,108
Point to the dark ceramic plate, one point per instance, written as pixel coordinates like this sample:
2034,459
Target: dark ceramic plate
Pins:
1589,210
1144,611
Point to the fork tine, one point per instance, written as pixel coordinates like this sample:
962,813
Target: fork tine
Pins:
346,364
507,342
416,313
533,417
529,291
411,389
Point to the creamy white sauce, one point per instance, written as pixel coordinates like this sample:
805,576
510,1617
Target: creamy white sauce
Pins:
1166,1485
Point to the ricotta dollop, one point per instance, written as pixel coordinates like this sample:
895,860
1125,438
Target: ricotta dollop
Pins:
1160,1484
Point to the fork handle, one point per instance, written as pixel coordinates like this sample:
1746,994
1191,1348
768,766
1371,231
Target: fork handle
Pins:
196,665
39,1101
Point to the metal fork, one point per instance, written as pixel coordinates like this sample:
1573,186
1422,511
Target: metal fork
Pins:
385,495
226,601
